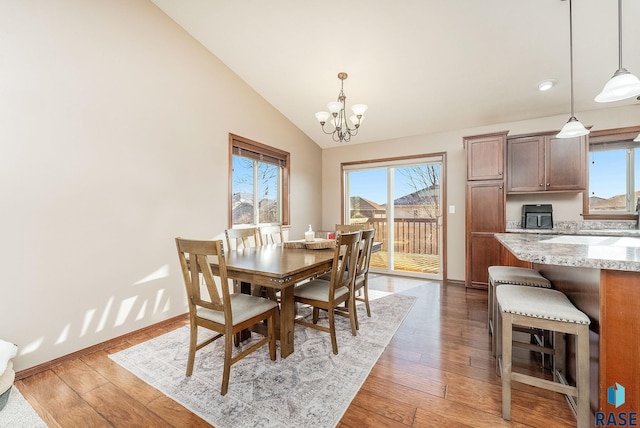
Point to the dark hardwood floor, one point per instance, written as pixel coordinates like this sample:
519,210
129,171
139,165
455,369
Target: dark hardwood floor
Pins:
436,372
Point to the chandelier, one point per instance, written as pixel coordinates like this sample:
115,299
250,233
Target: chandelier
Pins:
339,128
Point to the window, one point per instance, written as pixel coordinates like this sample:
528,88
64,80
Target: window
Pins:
259,183
614,174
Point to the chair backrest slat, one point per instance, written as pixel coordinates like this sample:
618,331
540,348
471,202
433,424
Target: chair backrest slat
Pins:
245,237
271,234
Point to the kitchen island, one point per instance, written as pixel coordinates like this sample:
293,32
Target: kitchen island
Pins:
601,276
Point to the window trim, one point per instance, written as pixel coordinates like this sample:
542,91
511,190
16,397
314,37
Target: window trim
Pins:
601,136
257,149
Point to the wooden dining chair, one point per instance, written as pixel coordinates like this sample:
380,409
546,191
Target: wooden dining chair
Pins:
328,295
361,281
223,312
271,234
245,237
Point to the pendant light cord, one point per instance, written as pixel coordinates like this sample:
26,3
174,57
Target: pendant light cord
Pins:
571,52
619,34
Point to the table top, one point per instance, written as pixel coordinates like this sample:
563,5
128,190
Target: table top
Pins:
602,252
272,264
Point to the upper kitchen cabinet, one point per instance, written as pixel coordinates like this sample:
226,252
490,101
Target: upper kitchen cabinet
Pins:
485,156
544,163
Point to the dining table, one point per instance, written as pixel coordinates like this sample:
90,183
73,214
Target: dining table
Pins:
279,268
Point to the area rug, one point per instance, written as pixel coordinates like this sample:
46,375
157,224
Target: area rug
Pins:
310,388
18,413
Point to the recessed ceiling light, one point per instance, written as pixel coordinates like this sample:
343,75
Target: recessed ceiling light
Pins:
546,84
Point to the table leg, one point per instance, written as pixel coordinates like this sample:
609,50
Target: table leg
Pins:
287,314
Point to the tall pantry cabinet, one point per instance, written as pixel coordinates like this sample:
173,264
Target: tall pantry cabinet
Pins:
485,205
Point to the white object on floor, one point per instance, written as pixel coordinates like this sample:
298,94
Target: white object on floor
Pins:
7,351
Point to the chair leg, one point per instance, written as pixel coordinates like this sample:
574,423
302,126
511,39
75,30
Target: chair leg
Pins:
353,316
227,364
332,330
507,337
366,299
271,331
316,315
193,344
582,381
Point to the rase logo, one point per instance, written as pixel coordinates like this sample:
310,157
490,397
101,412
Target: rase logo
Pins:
615,397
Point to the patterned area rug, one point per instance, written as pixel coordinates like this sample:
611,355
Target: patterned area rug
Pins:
310,388
18,413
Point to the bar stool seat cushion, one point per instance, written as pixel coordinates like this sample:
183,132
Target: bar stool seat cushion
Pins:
538,303
517,276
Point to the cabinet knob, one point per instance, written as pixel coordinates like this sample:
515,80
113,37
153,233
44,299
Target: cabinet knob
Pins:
540,184
548,184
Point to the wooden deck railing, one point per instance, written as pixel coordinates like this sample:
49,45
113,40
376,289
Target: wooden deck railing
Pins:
411,235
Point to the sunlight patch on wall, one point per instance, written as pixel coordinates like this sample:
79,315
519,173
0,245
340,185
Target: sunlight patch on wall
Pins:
105,314
159,295
160,273
125,309
88,317
142,311
64,334
31,347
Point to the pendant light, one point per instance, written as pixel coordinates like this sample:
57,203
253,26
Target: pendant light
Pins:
637,138
623,84
573,127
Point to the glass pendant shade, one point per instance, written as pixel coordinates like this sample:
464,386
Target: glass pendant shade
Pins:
621,86
323,116
359,109
334,107
573,128
356,122
637,138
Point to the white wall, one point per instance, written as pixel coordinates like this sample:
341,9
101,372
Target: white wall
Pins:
566,207
114,130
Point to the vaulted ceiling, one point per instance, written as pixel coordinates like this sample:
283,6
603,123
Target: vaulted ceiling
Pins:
422,66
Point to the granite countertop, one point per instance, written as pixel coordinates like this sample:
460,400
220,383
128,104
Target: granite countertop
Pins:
594,251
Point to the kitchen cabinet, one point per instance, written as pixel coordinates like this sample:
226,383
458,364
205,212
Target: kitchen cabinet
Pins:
485,157
544,163
485,205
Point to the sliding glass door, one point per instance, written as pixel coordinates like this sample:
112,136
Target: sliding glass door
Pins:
402,201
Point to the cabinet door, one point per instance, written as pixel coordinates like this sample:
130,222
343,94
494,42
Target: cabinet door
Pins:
485,157
525,164
484,251
566,163
485,205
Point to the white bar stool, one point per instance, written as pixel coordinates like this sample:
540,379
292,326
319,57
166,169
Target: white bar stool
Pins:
508,275
546,309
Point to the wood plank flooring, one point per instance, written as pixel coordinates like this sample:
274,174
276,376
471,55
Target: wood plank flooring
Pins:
437,371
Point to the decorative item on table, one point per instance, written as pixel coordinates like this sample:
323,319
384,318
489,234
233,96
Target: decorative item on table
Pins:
309,235
7,374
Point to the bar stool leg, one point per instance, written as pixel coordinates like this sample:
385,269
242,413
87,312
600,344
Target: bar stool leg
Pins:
582,381
507,337
559,354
